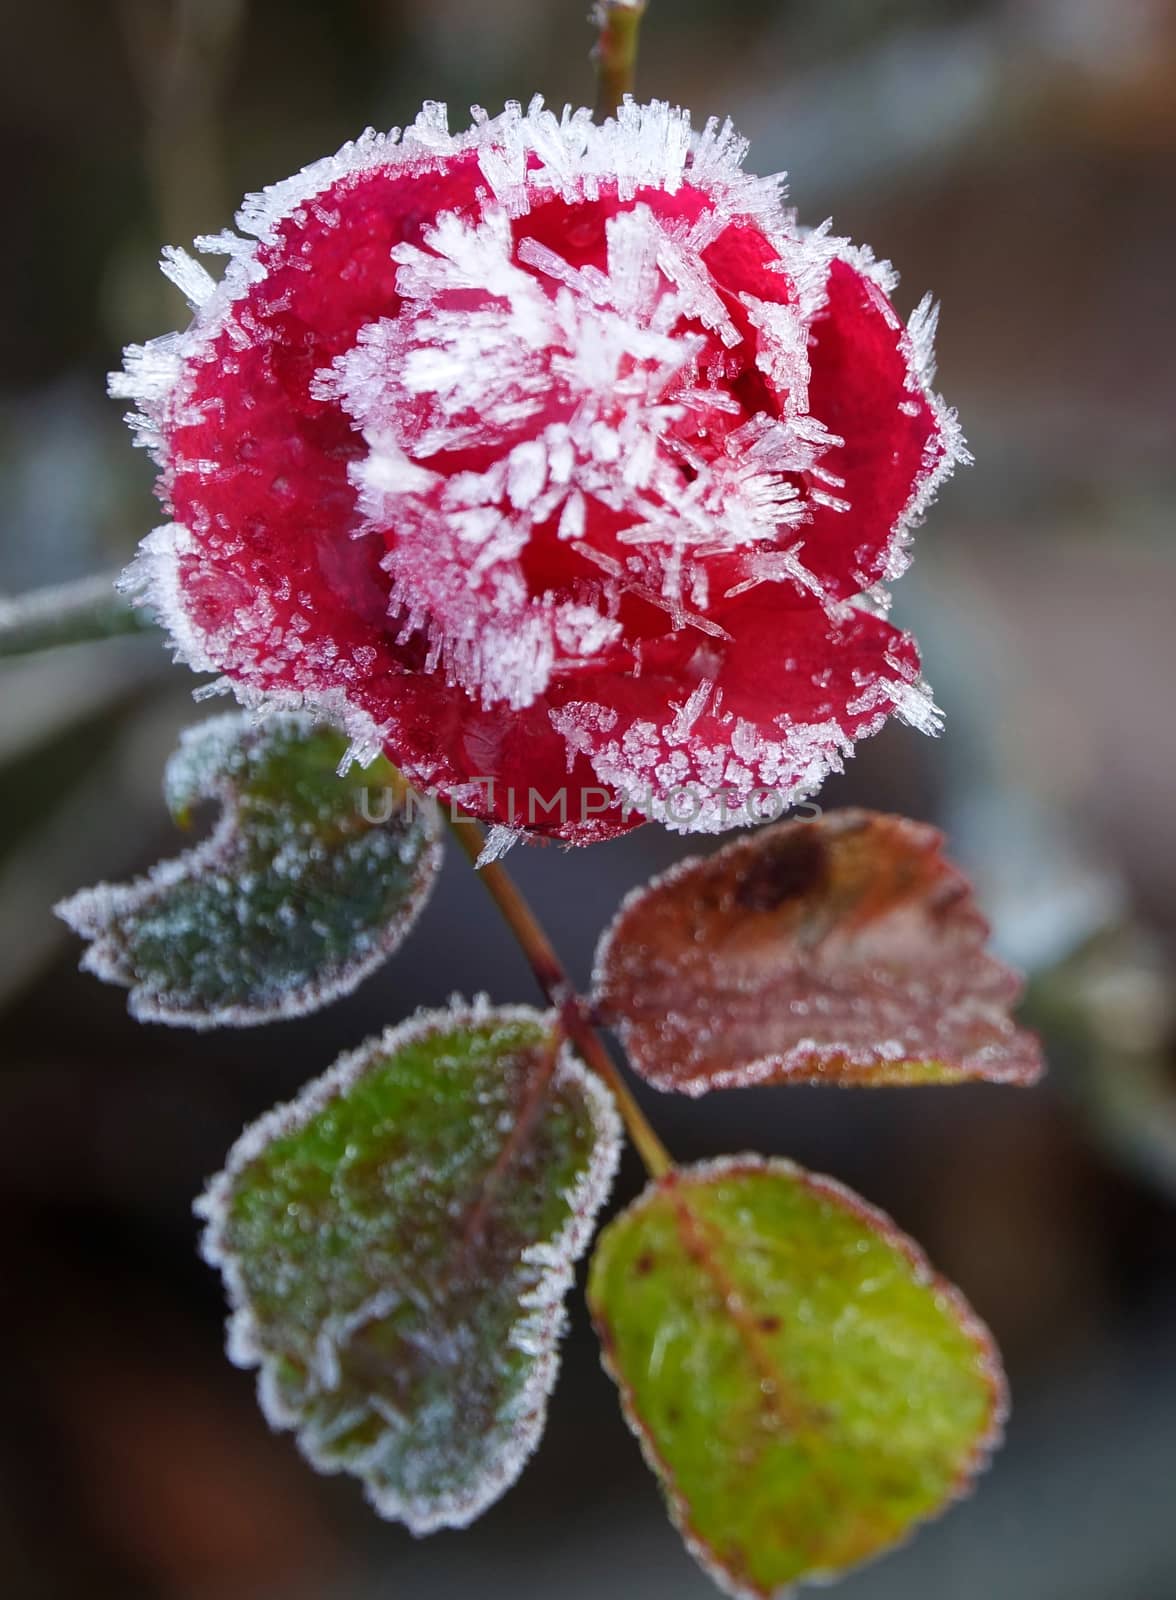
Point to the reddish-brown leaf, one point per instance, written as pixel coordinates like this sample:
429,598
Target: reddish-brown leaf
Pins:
843,950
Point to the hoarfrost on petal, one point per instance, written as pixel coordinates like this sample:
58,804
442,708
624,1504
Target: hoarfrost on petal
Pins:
574,374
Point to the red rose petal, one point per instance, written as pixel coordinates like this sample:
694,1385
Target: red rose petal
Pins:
504,449
864,389
718,733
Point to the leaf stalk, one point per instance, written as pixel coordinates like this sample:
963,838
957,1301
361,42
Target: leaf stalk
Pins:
552,978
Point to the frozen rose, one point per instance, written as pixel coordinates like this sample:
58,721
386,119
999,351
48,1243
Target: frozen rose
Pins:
555,460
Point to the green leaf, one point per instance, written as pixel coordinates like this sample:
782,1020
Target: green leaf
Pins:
845,950
397,1243
294,898
804,1385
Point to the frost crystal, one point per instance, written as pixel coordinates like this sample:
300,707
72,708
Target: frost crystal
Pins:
305,886
804,1384
507,447
397,1244
845,950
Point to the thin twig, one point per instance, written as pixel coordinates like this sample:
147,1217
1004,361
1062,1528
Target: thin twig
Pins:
615,54
553,979
182,56
67,613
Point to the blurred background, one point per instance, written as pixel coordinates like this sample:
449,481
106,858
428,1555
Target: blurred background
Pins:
1016,156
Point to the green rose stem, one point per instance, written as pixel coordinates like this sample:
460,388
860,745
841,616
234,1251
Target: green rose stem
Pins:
67,613
552,978
616,51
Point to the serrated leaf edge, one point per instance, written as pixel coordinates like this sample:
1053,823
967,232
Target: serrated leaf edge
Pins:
791,1065
973,1326
537,1332
90,912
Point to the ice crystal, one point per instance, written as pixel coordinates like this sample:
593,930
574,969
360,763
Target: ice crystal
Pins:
845,950
801,1381
397,1244
492,437
292,901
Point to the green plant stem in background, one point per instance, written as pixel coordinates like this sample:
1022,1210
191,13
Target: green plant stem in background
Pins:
67,613
616,51
552,978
